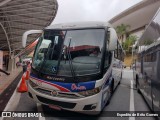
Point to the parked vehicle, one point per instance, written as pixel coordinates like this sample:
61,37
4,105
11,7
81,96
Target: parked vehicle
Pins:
147,64
76,67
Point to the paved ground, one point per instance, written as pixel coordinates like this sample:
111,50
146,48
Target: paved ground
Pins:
7,93
6,80
122,100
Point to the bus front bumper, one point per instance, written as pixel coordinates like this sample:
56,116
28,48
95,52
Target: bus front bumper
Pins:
90,104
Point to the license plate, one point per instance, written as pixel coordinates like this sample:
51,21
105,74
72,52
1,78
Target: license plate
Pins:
54,107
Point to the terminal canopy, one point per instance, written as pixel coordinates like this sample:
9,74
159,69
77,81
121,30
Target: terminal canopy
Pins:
18,16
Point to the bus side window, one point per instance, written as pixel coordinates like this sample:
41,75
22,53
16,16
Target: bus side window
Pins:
108,58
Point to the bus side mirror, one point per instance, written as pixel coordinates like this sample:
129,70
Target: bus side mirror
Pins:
25,35
112,39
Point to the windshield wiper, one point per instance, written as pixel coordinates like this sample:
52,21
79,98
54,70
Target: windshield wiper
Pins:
70,60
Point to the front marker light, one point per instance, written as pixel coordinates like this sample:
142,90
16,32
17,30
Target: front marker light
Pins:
90,92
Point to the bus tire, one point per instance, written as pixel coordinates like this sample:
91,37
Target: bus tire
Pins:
137,84
138,90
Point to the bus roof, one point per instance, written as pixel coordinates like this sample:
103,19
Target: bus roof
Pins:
77,25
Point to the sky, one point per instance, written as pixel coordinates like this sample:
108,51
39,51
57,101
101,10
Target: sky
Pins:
90,10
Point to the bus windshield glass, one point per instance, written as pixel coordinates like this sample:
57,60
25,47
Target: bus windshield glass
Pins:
69,52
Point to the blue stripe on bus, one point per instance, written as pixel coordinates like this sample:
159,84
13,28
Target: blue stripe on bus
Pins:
106,83
73,87
108,80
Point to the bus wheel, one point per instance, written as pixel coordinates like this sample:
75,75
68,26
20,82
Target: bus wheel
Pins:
137,84
138,90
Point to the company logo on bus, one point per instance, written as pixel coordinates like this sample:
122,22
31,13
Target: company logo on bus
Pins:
75,87
54,69
54,93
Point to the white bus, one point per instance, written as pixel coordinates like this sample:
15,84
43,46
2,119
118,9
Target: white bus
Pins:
75,66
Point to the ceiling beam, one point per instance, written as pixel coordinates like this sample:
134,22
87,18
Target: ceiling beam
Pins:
47,7
6,38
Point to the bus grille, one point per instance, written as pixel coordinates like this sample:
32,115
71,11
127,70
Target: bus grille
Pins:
59,93
58,103
43,91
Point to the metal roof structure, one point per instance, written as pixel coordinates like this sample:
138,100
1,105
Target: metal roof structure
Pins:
137,16
18,16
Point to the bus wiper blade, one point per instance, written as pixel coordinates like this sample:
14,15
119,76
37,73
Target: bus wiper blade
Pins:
70,60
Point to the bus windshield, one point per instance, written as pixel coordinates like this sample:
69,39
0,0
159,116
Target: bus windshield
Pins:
68,52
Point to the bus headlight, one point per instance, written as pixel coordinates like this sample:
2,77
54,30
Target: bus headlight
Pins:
32,84
90,92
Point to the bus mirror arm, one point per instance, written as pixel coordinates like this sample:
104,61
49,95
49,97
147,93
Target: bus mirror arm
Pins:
112,39
25,35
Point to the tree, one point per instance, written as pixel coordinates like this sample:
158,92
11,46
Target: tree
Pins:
121,30
127,45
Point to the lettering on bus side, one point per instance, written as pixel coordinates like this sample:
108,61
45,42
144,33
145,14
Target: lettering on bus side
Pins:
54,78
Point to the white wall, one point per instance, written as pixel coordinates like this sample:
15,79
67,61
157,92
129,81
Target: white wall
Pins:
137,33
